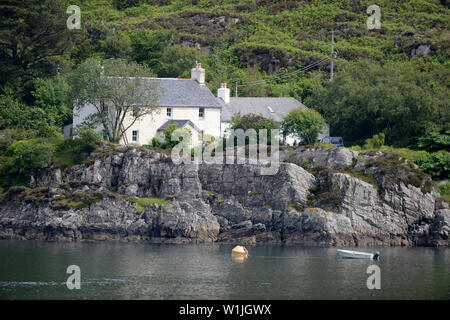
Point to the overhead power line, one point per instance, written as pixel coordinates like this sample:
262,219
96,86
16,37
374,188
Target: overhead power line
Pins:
285,75
333,55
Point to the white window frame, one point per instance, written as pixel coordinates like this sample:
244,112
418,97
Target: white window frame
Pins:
169,113
201,110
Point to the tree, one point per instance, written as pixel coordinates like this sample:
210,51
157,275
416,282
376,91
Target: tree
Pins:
31,32
119,100
434,141
52,96
88,140
253,121
256,86
177,61
377,141
148,46
30,155
117,45
15,114
397,99
303,124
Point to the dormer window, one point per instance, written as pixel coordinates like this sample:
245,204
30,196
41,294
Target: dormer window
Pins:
201,113
270,109
169,112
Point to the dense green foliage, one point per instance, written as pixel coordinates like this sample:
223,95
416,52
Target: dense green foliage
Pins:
169,142
382,84
253,121
437,165
30,155
32,35
444,190
396,99
22,153
304,125
377,141
435,141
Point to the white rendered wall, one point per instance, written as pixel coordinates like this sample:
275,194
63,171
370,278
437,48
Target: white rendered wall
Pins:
148,125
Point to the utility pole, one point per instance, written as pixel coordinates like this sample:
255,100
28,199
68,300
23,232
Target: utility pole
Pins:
235,89
332,55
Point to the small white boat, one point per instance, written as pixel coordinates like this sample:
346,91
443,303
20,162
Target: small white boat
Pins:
358,254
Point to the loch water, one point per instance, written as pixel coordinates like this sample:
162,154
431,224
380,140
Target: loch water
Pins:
37,270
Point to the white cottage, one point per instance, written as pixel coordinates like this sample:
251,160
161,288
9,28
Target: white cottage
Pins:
272,108
186,102
189,103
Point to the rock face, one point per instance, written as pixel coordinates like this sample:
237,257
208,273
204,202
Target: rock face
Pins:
139,173
249,187
333,158
344,199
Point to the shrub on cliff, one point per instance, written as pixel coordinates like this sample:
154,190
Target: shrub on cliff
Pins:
9,136
87,139
30,155
377,141
47,131
435,141
437,165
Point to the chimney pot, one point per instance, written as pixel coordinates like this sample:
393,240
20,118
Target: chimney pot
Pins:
223,92
198,73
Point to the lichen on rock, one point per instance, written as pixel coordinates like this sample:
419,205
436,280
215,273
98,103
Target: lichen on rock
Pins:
341,197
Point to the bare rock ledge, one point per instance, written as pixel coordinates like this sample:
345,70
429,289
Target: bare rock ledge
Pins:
320,196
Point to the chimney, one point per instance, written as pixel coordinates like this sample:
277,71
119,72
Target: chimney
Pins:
198,73
224,93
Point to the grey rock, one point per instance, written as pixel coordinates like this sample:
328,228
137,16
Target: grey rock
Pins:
290,185
421,51
386,203
440,228
313,157
186,220
46,178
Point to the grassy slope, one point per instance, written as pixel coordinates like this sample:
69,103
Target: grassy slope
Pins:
294,32
297,27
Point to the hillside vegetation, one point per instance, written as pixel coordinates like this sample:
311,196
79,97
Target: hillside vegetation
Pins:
392,81
246,41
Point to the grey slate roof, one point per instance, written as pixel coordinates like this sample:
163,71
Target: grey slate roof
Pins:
280,106
180,124
184,93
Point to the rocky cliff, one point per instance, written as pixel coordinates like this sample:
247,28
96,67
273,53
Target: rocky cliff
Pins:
320,196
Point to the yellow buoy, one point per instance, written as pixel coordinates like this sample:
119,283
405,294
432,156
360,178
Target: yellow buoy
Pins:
239,251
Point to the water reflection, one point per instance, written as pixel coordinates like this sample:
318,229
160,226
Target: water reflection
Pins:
36,270
238,259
